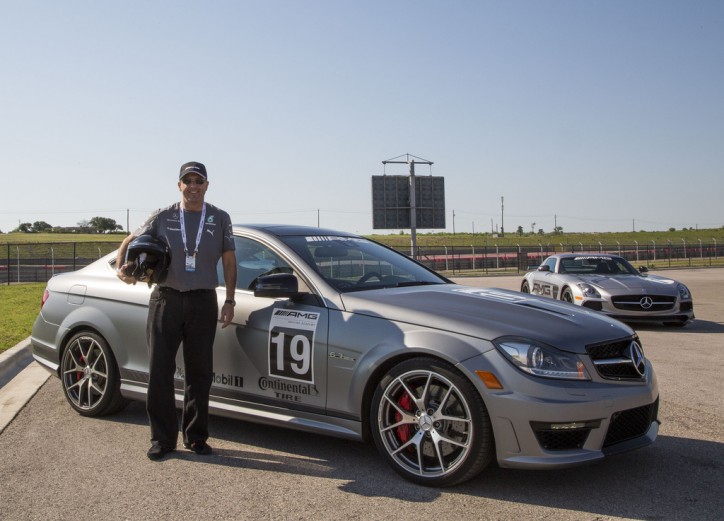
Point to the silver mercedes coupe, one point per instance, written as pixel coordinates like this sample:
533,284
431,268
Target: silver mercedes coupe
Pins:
611,285
340,335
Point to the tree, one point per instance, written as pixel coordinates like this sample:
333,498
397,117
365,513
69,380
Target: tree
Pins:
520,231
104,224
41,226
24,228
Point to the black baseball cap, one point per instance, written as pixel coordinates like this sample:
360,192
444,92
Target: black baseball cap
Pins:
193,168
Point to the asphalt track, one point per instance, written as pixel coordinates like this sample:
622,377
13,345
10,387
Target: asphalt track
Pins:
59,465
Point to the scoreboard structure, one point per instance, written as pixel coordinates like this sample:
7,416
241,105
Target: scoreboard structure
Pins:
392,202
400,201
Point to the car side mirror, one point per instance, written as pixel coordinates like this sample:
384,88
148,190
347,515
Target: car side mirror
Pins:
544,267
277,285
643,269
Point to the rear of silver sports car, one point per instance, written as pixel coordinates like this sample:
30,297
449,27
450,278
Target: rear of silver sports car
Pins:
552,423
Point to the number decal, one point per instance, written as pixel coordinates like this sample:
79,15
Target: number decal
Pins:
291,344
542,289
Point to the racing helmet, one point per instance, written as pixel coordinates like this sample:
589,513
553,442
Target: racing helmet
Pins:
147,259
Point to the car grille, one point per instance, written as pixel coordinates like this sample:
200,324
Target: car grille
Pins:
630,424
614,360
643,302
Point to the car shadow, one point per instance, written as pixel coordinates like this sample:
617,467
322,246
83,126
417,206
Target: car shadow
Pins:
674,478
696,326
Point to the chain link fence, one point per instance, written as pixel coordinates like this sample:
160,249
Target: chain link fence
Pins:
519,259
39,262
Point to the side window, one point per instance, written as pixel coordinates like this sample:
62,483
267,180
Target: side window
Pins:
253,259
551,263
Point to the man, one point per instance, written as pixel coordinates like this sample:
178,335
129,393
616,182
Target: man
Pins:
183,308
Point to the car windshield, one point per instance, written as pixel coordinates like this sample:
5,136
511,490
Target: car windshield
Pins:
596,265
358,264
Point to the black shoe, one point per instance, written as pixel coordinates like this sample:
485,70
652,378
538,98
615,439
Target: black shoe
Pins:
199,447
158,451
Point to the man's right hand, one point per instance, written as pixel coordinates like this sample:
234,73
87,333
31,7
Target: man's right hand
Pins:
121,274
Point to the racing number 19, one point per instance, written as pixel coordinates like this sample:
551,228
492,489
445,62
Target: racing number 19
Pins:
290,355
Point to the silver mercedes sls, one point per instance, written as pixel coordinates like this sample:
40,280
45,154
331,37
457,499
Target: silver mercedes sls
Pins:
611,285
340,335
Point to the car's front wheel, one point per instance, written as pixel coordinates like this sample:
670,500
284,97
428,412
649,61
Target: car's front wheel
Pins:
567,295
525,288
430,423
89,376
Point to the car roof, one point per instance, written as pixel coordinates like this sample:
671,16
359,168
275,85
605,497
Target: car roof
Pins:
287,230
584,254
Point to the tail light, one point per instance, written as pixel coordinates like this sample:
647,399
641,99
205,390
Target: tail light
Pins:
46,296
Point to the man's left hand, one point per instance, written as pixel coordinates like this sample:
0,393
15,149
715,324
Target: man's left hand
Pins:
227,315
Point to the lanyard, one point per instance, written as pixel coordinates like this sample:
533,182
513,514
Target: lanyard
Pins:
198,235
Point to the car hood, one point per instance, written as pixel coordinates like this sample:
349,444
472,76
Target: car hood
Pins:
617,284
489,314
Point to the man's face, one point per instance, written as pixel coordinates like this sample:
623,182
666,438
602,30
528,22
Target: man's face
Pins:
193,188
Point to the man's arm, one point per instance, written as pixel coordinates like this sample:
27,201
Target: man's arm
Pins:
121,260
228,262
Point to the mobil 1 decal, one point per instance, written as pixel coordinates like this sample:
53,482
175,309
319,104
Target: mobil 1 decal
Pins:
291,344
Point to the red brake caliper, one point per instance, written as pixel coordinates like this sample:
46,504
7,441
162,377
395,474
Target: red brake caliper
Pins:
79,374
404,432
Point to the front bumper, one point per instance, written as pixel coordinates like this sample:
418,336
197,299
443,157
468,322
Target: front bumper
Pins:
681,311
544,423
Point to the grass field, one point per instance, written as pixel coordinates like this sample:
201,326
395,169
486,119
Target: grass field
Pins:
678,238
32,238
590,240
19,307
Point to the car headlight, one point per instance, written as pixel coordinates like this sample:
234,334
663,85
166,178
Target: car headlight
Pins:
589,291
683,291
539,359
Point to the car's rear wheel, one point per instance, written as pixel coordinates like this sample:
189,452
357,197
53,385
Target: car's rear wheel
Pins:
430,423
89,376
567,295
525,288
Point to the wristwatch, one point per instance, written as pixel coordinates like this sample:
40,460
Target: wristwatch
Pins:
230,301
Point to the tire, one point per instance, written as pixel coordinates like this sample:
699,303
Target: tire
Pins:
430,423
567,295
89,376
525,288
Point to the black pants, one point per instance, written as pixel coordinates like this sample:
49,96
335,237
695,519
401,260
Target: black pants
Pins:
175,317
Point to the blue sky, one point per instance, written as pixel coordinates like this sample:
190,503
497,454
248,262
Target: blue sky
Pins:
592,115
